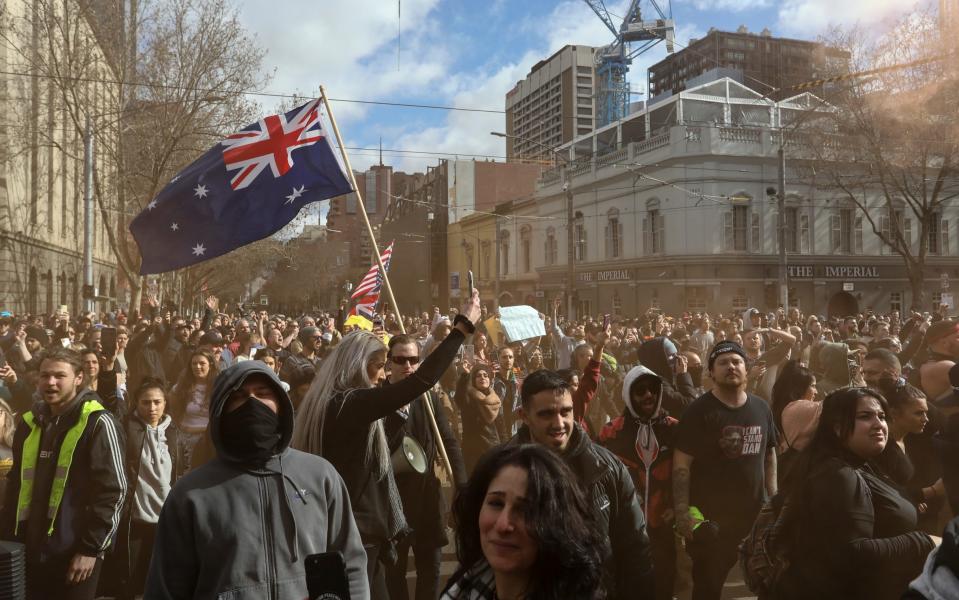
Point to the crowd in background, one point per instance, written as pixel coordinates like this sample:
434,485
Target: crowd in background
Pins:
585,463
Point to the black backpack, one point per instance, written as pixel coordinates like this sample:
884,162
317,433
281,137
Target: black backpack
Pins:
762,554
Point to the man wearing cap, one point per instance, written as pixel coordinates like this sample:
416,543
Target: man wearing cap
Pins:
213,342
752,319
942,341
724,468
243,524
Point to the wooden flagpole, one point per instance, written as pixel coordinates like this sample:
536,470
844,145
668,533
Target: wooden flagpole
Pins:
386,278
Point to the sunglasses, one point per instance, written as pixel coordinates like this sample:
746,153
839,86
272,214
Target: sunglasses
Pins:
641,388
402,360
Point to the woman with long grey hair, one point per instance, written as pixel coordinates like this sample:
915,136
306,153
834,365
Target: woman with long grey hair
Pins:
340,419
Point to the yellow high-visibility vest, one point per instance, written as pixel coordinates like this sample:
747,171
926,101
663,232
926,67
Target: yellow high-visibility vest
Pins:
28,464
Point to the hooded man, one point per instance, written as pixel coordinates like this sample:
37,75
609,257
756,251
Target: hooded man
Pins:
243,523
642,438
661,356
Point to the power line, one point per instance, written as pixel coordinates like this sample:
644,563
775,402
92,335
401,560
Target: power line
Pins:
167,86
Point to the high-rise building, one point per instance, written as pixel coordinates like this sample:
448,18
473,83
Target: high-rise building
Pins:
765,63
553,105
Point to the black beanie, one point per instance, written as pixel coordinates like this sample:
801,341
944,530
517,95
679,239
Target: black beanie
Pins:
723,348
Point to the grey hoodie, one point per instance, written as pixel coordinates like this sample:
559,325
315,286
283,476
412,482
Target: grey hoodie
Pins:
155,472
242,531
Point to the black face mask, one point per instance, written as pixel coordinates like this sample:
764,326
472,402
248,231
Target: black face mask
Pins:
251,432
696,374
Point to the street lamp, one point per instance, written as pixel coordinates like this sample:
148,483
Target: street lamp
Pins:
568,188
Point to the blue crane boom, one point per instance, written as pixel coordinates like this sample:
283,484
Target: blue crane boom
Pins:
631,38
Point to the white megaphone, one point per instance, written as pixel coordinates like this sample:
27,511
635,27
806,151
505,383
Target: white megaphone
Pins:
409,457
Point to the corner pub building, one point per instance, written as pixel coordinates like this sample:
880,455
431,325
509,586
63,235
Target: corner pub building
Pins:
671,212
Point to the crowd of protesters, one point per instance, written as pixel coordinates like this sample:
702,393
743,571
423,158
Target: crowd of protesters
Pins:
197,456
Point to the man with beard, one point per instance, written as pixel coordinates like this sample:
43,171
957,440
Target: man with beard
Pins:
312,340
724,468
642,437
547,415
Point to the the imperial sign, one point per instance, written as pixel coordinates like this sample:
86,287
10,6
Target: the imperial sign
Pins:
832,272
614,275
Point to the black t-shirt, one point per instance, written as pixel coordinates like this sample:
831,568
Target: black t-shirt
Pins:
728,446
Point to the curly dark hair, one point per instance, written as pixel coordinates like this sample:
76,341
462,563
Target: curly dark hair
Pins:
570,551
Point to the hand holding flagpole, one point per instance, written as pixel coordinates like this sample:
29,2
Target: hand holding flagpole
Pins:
379,262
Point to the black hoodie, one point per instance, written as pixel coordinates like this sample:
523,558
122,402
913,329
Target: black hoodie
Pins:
231,527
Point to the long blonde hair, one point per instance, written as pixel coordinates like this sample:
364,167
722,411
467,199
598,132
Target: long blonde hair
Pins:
342,372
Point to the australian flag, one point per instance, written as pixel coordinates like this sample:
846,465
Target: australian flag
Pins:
244,189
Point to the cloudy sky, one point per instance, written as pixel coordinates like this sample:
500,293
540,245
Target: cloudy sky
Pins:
469,53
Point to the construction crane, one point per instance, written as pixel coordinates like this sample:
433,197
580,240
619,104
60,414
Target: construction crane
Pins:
633,37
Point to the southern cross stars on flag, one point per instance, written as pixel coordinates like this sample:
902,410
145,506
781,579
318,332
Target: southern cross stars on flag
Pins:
244,189
367,293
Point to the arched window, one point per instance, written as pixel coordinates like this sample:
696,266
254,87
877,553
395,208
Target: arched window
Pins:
75,295
653,228
48,279
579,235
845,229
33,291
63,288
796,226
504,252
552,251
614,234
741,225
526,245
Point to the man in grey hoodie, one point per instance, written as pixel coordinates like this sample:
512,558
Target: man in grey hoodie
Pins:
242,524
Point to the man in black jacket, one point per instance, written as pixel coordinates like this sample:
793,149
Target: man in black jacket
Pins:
421,494
547,414
67,485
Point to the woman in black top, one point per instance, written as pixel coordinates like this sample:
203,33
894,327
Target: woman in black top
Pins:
909,458
340,419
851,535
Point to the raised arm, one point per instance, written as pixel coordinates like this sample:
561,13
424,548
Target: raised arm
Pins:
363,406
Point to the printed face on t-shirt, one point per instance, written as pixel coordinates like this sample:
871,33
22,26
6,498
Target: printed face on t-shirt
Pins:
736,441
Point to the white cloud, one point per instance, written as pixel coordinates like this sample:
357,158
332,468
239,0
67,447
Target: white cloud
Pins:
726,5
811,17
352,51
350,47
570,22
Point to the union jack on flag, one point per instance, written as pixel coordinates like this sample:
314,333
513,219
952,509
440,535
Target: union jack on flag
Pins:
366,307
373,280
270,143
227,198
